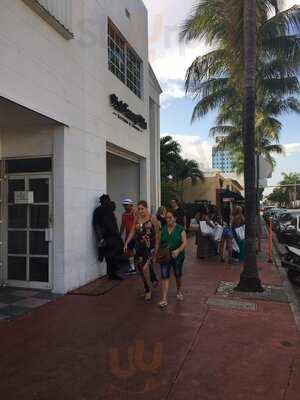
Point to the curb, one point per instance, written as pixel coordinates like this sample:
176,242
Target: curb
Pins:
288,287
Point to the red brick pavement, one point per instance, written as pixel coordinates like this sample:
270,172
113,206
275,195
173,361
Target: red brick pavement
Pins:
117,347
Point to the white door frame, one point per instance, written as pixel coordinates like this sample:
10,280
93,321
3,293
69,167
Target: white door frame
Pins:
27,283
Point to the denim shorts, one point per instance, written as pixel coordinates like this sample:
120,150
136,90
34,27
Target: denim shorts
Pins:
177,266
227,233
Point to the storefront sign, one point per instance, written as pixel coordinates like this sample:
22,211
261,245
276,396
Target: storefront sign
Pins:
135,120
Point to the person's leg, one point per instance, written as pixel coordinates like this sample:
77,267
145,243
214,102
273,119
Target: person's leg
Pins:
165,289
221,249
140,263
109,265
146,274
131,257
112,267
165,281
153,276
178,266
229,248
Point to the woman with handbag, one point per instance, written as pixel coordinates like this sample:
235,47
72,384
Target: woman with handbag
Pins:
145,232
173,242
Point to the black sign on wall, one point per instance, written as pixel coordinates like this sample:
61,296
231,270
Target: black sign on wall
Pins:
123,108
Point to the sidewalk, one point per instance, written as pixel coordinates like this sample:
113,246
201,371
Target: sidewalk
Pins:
117,347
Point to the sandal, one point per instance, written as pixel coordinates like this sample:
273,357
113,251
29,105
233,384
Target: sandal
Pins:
163,304
180,296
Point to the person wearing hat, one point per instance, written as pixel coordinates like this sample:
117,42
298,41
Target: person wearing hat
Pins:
110,243
128,220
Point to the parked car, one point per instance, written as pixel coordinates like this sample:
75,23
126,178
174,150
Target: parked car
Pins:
275,215
291,261
284,220
290,233
267,214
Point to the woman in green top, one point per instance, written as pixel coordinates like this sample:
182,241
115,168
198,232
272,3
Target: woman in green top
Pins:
173,236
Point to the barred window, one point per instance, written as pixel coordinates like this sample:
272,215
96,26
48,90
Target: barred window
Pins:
134,65
116,53
124,62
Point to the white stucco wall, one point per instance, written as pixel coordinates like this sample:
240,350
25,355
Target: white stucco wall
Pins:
69,81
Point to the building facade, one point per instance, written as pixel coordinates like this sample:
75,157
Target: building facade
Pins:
79,117
222,160
210,189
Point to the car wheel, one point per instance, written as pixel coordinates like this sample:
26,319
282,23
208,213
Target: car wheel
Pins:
287,257
294,277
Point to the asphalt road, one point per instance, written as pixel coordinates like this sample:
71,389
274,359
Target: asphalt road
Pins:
278,250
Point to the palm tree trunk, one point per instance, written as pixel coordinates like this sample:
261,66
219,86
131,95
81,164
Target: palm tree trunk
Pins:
249,279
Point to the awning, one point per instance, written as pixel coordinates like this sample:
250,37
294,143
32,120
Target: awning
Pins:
228,195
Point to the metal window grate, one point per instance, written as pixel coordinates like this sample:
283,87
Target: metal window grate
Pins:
124,62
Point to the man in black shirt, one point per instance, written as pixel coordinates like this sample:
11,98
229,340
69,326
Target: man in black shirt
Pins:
179,213
110,243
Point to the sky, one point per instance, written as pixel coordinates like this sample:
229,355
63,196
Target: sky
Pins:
170,60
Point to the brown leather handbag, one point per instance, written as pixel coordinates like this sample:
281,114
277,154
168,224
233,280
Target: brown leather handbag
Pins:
164,255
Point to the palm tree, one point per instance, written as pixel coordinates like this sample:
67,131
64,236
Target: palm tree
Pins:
249,279
291,179
187,170
215,79
175,170
267,129
226,77
170,154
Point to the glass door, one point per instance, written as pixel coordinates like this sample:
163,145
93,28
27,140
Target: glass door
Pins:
29,233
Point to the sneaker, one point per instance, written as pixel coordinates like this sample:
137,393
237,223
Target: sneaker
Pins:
131,271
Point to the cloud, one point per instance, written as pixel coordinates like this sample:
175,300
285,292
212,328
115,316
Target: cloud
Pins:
172,90
291,148
195,148
283,4
169,58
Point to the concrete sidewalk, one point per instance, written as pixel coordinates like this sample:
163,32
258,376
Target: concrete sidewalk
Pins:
117,347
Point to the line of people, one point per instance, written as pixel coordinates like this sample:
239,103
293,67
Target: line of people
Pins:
149,240
216,234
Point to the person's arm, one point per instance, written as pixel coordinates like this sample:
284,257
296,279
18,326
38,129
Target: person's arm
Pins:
156,225
209,222
122,228
180,249
131,234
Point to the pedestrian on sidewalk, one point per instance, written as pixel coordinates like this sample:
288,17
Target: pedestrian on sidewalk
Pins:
173,238
128,220
238,222
179,213
206,246
145,233
110,243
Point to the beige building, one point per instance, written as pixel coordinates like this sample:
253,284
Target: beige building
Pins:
210,189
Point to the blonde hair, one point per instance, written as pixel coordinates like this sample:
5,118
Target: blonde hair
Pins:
162,210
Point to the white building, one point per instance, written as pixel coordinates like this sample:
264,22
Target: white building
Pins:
79,117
